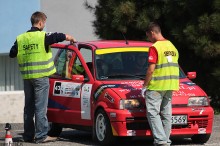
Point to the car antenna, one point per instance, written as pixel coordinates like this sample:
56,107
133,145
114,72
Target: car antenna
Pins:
126,41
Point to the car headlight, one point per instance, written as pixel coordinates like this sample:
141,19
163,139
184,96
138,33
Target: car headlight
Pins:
198,101
129,104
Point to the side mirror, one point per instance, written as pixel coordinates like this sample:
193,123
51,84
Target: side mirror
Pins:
77,78
191,75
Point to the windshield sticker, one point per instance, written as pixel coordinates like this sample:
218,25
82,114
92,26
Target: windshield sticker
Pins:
116,50
67,89
85,101
100,89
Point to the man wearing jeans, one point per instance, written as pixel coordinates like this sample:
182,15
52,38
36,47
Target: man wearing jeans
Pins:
162,78
36,64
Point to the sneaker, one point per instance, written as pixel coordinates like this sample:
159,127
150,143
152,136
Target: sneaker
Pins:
49,139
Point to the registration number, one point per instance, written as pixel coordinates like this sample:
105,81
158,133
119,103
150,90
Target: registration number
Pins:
179,119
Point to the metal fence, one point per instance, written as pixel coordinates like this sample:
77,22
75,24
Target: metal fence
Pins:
10,76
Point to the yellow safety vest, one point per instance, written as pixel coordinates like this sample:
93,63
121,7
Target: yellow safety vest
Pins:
166,73
33,60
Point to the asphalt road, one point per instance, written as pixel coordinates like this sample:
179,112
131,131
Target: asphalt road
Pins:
71,137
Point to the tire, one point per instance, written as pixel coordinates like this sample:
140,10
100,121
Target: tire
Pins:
102,129
200,138
55,130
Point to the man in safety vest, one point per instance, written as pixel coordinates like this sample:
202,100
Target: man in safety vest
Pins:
162,78
34,55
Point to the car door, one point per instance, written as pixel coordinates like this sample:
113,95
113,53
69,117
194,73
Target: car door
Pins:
69,99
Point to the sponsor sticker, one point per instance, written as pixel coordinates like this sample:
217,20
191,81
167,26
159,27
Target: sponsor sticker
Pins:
131,133
85,101
67,89
202,131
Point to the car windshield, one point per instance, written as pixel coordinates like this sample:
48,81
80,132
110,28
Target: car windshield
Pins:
122,63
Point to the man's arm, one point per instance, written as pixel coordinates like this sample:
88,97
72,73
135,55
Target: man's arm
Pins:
14,50
149,73
52,38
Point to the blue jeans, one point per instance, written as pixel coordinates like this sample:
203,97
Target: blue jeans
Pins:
36,99
159,114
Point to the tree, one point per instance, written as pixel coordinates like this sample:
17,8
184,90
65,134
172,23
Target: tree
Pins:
193,26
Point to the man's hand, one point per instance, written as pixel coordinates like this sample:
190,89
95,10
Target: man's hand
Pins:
143,91
70,38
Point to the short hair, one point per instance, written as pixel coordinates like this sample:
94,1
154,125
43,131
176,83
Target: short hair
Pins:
37,16
153,26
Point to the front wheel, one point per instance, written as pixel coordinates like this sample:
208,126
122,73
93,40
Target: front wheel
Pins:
102,129
200,138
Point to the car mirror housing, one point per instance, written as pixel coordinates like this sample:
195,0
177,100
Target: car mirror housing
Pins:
191,75
77,78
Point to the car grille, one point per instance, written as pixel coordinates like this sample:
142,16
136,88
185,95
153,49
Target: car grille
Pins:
142,124
139,123
199,120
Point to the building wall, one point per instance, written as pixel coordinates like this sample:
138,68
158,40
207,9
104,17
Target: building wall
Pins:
66,16
10,77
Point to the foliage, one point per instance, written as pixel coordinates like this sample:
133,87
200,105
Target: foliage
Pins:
193,26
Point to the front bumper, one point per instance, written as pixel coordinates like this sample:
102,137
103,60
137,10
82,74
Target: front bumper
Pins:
134,123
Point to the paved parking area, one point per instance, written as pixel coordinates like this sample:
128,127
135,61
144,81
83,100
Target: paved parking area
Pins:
70,137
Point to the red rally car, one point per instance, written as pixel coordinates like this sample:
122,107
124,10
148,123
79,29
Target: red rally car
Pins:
97,88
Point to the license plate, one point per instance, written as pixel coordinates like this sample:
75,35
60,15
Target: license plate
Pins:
179,119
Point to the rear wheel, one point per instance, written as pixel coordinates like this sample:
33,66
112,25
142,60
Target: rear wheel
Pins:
102,129
55,130
200,138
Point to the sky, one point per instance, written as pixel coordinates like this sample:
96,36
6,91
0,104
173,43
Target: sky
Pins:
69,16
15,19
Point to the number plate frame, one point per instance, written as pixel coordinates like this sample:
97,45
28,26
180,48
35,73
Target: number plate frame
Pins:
179,120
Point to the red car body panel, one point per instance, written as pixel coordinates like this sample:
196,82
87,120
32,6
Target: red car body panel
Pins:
133,122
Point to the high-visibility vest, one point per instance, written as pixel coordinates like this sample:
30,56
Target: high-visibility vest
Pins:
33,60
166,73
77,69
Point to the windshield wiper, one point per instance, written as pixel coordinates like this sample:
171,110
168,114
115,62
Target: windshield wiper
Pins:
126,76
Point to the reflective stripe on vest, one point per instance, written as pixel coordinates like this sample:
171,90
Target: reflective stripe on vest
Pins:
166,73
33,60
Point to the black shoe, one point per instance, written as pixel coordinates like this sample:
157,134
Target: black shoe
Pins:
26,140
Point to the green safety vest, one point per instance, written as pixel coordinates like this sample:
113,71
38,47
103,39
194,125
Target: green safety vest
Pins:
33,60
166,73
77,69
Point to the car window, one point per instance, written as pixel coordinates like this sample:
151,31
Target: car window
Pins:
63,63
129,63
115,64
87,55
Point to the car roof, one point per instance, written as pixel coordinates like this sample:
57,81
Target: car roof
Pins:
117,43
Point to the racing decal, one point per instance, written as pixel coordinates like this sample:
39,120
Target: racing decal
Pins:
114,133
131,86
100,89
54,104
182,93
201,110
107,96
131,133
67,89
201,131
85,101
187,87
